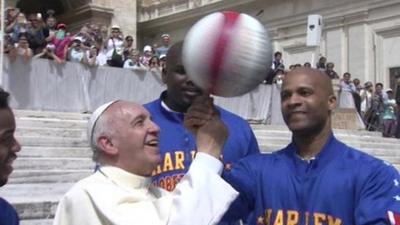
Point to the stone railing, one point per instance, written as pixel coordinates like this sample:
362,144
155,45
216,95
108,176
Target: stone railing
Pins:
153,9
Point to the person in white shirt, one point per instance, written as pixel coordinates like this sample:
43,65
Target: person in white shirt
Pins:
366,98
76,53
115,42
347,89
125,144
133,62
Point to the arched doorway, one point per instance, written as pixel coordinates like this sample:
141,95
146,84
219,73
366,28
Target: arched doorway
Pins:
42,6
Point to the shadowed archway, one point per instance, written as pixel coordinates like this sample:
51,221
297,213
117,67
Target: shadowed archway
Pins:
36,6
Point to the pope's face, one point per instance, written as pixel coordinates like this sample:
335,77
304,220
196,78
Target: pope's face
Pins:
135,137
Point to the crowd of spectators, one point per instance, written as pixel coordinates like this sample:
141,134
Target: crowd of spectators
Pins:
379,108
35,36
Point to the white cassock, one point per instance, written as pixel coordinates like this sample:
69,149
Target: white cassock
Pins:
113,196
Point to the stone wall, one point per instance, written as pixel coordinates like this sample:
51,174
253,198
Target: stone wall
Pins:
124,14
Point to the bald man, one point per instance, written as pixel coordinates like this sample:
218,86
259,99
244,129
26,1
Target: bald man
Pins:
316,179
125,143
177,144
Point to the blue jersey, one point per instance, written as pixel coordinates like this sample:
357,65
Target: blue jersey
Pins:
178,146
8,215
341,186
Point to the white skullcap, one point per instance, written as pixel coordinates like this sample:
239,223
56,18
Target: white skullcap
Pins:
93,119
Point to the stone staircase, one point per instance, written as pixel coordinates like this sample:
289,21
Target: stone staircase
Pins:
55,154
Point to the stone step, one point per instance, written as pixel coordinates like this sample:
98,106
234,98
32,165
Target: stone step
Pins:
51,132
51,115
257,127
37,222
340,136
270,147
53,164
382,152
355,144
48,176
51,123
42,201
52,141
372,151
395,160
58,152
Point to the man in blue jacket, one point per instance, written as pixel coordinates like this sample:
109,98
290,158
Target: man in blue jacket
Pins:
177,144
316,179
9,146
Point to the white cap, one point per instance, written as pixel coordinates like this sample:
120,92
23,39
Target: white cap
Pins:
93,119
115,27
389,90
147,48
78,38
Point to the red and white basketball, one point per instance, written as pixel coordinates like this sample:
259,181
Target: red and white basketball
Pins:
227,53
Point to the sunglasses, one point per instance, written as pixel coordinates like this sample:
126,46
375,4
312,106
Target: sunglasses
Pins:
129,40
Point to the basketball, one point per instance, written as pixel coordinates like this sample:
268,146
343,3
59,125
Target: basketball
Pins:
227,53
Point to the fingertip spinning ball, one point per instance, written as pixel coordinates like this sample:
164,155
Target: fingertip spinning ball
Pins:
227,53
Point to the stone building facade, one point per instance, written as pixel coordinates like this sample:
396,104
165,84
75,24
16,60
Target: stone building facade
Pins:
360,36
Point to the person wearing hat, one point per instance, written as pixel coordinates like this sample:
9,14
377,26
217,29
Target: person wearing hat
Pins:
61,41
366,98
389,114
125,143
9,147
115,47
162,50
147,54
76,53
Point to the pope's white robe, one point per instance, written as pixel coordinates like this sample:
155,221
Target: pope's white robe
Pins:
112,196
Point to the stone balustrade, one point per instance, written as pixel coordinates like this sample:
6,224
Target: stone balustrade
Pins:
153,9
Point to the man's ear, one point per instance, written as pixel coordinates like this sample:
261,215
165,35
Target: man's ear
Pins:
164,75
332,102
107,146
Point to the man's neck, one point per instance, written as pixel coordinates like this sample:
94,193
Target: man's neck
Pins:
310,145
